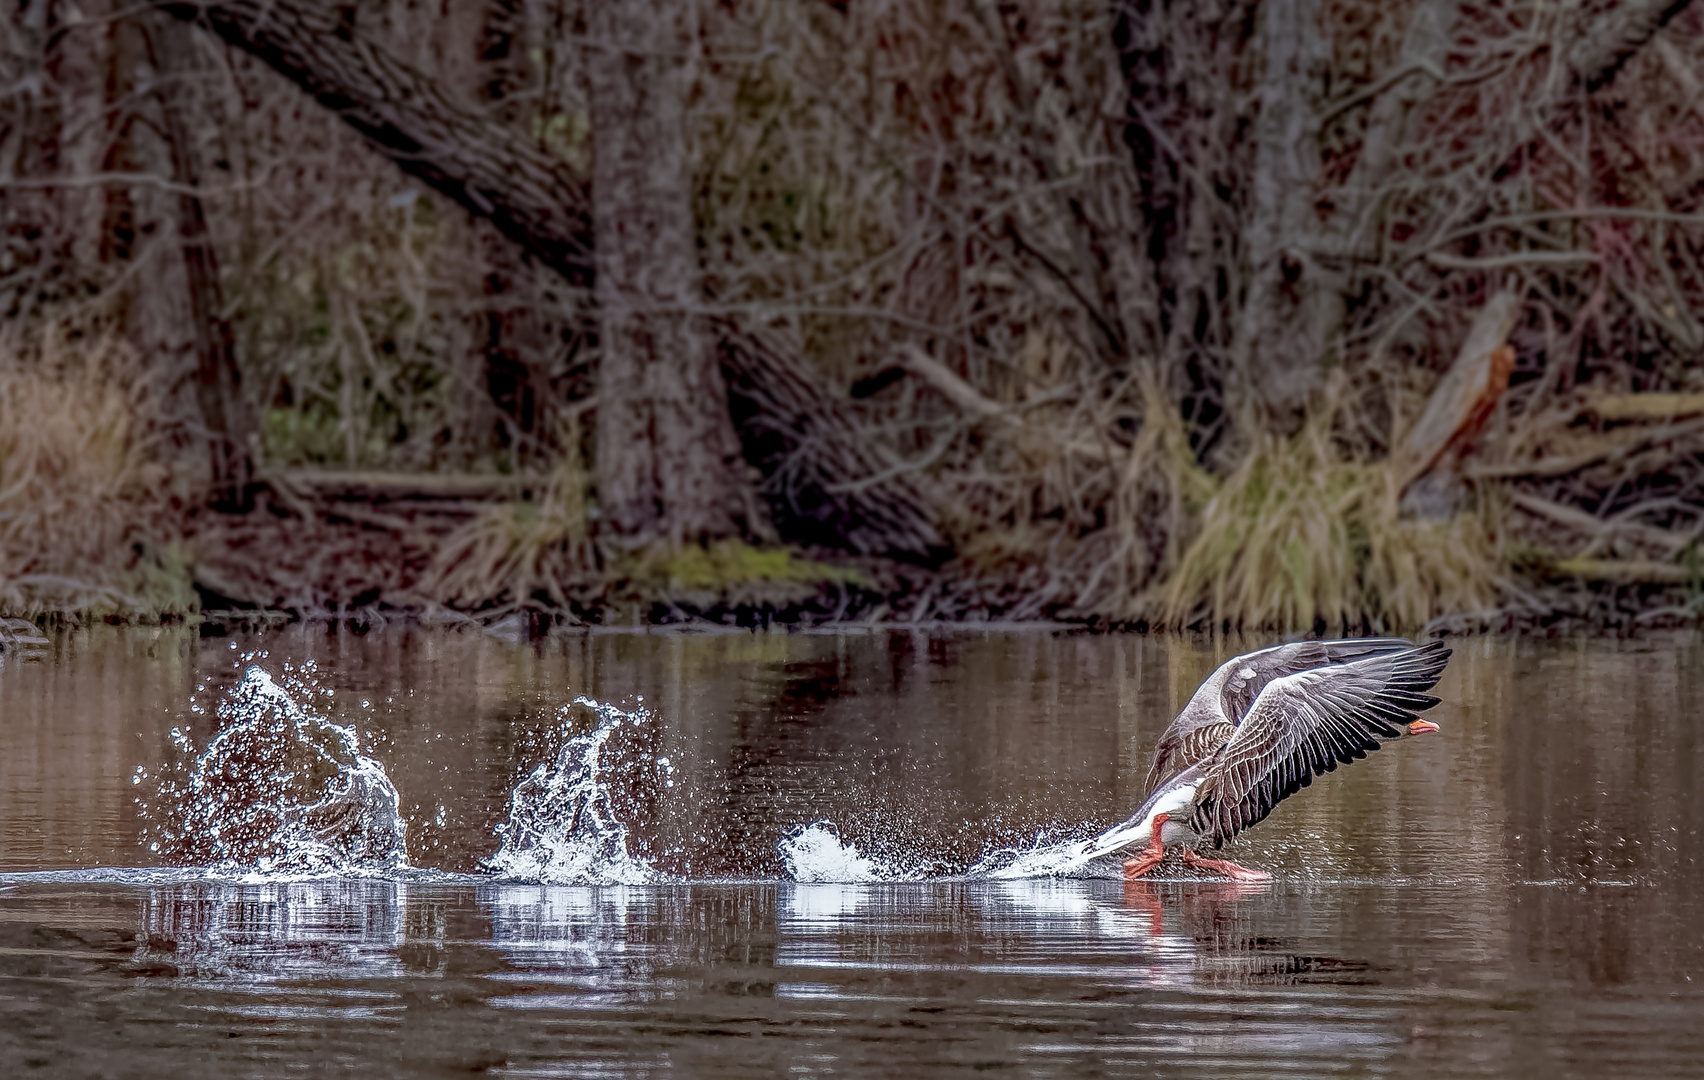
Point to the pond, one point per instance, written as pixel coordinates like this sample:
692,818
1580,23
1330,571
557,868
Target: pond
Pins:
428,851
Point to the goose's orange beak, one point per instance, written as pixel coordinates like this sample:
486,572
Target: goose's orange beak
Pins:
1421,727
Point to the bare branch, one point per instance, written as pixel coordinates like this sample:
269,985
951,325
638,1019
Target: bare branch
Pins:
1605,44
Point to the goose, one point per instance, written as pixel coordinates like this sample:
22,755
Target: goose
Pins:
1260,729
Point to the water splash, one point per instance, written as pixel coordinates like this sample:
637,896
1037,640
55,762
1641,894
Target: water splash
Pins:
815,854
1071,859
278,791
563,828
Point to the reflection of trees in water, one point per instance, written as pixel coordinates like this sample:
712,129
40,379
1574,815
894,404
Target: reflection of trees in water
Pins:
1602,765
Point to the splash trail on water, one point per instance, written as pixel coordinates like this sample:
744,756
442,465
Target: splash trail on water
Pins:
815,854
279,791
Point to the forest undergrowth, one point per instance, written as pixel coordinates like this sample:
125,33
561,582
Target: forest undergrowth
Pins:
1021,245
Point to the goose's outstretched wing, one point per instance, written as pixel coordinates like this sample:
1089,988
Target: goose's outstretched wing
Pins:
1305,724
1212,715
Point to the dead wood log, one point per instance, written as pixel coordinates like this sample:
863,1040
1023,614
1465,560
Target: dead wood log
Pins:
832,484
1468,391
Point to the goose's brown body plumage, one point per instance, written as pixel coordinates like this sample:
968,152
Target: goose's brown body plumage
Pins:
1263,726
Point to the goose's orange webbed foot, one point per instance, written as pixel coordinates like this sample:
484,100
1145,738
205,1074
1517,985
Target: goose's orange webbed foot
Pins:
1221,866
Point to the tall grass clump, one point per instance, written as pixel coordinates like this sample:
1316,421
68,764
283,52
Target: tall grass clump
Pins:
1301,532
517,552
84,523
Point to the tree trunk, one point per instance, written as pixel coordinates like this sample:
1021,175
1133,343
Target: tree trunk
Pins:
229,422
1180,122
1273,367
799,436
489,169
668,461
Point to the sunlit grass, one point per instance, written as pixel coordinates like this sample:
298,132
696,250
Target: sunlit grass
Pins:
1298,533
84,529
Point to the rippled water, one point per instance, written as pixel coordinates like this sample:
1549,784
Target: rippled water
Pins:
1518,895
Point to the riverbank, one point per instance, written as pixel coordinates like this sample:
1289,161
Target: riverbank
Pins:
1581,515
368,563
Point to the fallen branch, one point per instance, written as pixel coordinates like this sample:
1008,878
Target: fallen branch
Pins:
1645,406
1631,570
953,388
1588,448
332,482
1468,391
1579,520
1445,261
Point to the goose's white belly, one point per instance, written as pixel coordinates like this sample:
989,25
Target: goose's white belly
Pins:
1138,831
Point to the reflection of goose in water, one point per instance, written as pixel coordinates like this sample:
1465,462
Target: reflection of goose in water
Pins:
1260,729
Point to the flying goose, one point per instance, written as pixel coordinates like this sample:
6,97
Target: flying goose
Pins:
1260,729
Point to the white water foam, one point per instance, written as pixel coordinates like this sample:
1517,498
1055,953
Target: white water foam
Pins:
815,854
280,792
562,827
1076,859
277,792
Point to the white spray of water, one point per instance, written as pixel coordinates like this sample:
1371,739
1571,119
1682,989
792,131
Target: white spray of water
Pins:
1075,859
816,854
562,828
277,792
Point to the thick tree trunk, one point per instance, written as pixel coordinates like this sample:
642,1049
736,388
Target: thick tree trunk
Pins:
1272,370
229,422
539,202
489,169
668,461
1180,123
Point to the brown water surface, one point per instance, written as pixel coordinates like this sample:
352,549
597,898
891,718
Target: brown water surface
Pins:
1518,895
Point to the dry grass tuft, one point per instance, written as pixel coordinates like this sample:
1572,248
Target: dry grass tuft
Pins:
514,553
84,528
1299,532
